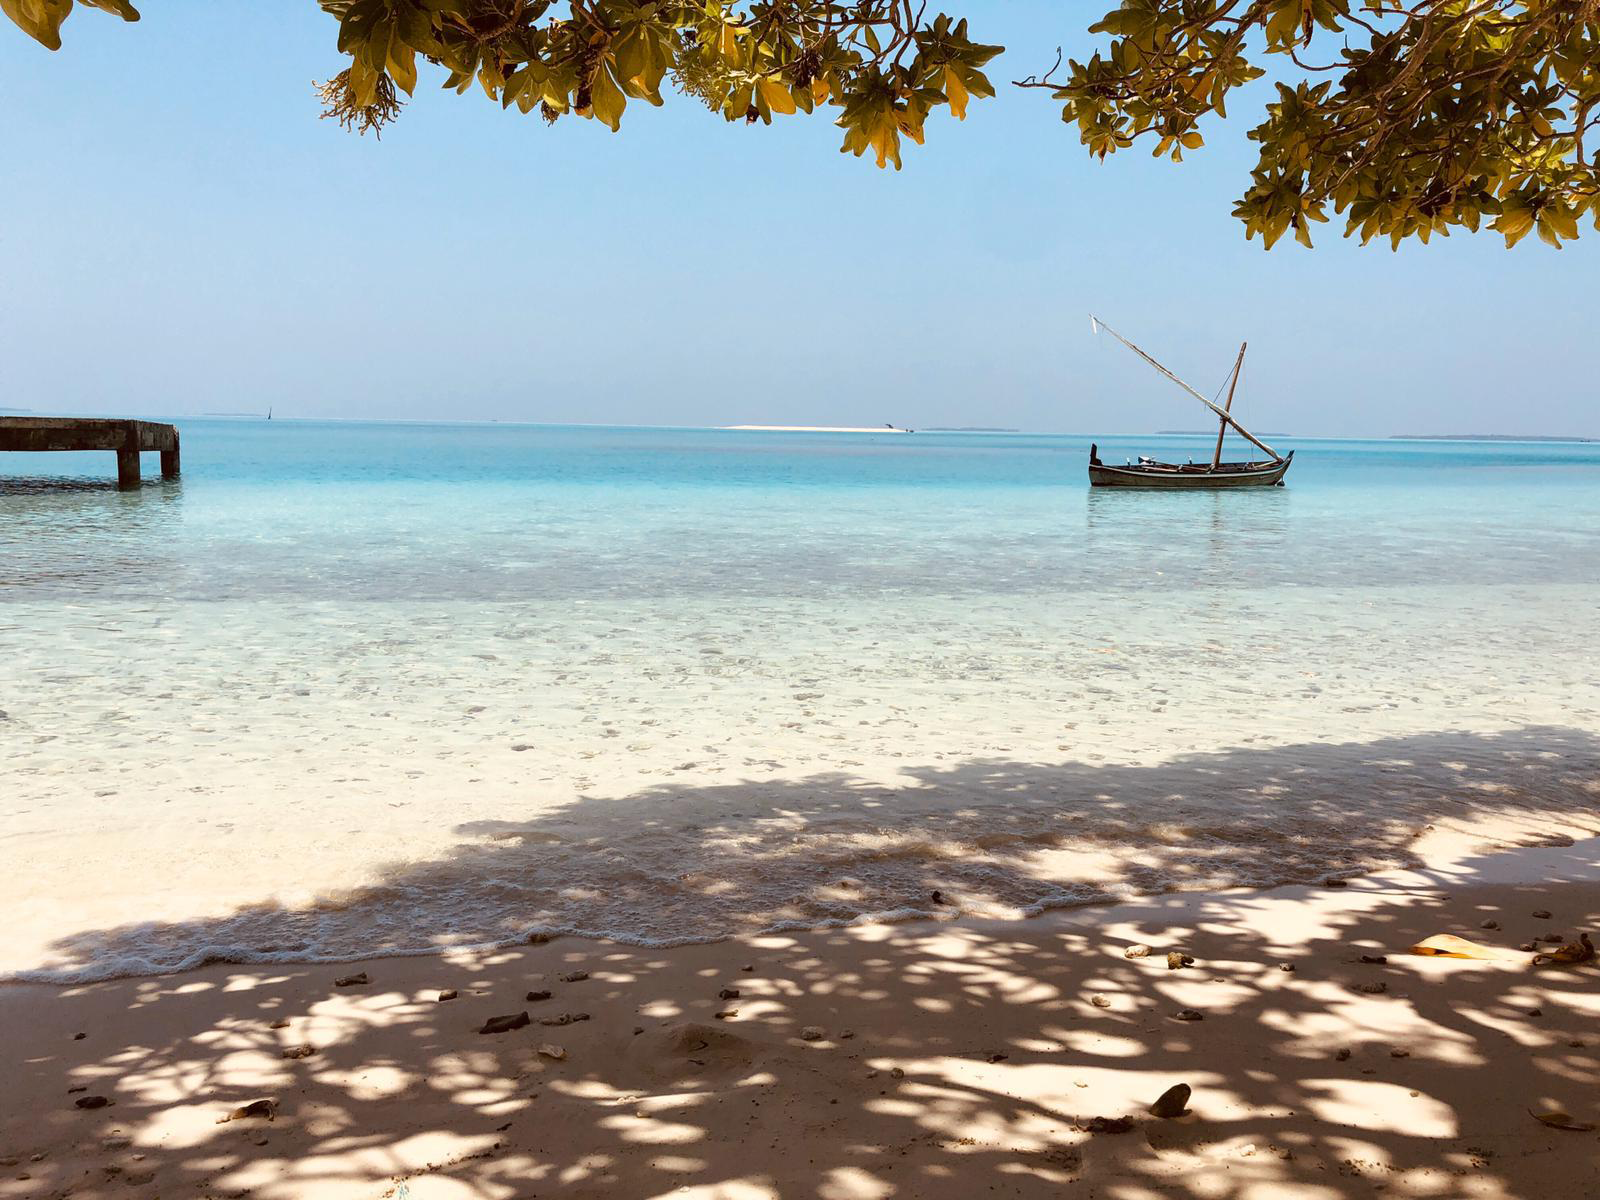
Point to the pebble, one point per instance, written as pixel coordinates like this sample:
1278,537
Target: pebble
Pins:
563,1019
728,993
359,979
1542,914
538,939
1530,946
1536,1012
1491,924
1335,883
1137,950
573,977
1374,958
78,1037
551,1051
537,996
1173,1102
727,1014
91,1102
846,1034
1399,1052
1107,1125
1100,1001
748,967
1344,1054
1177,959
447,994
304,1050
280,1023
812,1033
521,746
117,1141
898,1072
1373,989
505,1024
1189,1014
1286,966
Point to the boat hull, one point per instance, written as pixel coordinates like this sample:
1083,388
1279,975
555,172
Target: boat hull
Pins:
1163,475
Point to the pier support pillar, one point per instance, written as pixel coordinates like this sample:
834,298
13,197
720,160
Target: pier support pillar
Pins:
169,460
127,468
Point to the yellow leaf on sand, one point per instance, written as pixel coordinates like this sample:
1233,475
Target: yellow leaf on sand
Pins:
1447,945
1557,1119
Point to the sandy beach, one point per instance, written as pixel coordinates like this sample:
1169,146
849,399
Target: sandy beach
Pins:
927,1059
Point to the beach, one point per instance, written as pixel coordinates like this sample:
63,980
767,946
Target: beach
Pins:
937,1059
918,729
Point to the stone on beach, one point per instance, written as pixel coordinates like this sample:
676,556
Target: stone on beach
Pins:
1137,950
447,994
537,996
505,1024
304,1050
359,979
1177,959
1173,1102
813,1033
91,1102
550,1050
573,977
1189,1014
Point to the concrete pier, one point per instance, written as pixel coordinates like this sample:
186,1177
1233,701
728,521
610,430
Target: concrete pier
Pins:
127,439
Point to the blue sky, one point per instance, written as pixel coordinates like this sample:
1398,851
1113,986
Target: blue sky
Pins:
180,234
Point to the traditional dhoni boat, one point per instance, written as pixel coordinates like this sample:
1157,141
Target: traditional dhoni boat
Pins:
1148,473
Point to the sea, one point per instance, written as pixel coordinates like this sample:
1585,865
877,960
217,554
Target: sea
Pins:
349,689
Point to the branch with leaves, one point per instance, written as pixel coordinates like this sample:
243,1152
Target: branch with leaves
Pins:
1407,118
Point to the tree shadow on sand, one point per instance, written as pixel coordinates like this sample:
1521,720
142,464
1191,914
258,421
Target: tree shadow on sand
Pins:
977,1054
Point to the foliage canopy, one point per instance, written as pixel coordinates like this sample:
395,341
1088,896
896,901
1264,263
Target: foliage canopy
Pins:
1407,118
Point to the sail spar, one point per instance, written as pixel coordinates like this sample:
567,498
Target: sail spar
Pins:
1227,418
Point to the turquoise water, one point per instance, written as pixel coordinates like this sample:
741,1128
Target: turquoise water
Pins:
365,688
502,512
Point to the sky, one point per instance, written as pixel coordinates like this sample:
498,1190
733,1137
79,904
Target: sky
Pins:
180,234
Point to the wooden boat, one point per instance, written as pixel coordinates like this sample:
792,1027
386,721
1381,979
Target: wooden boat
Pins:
1170,475
1148,473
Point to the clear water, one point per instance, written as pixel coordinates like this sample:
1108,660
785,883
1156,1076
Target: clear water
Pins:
348,688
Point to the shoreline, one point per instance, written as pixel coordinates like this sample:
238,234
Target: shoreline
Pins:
1003,1051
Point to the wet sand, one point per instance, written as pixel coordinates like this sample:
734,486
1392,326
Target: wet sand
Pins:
957,1058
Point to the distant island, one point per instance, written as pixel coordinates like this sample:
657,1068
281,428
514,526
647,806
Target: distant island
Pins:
819,428
1486,437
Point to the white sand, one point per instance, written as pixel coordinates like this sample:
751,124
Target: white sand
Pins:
959,1059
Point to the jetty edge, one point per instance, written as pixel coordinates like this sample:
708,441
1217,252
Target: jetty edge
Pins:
127,438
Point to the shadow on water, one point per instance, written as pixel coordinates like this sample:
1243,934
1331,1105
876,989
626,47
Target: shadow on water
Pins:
68,530
695,1103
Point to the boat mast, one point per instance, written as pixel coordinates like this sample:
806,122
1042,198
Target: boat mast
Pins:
1227,418
1222,427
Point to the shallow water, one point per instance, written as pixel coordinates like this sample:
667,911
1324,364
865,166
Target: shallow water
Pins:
351,688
